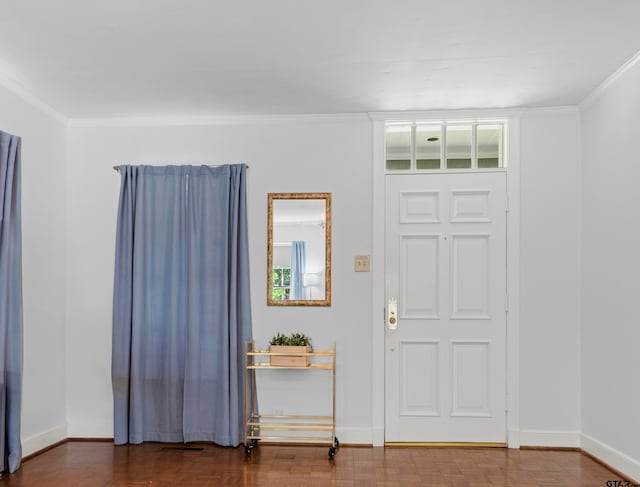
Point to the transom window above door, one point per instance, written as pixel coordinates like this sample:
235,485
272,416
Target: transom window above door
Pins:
444,145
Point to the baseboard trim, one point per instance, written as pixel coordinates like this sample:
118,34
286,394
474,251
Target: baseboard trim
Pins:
378,436
544,438
441,444
551,448
616,461
40,438
40,441
100,439
513,438
45,449
357,436
609,467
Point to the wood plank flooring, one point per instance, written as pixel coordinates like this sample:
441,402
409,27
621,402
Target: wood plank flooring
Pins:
103,464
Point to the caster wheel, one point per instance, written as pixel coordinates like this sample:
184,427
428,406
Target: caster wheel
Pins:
254,443
336,443
248,449
332,452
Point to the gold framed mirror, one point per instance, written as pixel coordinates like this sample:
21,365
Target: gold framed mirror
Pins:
299,249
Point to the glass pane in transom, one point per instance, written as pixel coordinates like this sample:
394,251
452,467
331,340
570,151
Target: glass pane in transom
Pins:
489,146
398,148
459,146
428,143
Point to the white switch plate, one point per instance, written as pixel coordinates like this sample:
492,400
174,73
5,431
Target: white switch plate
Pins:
361,263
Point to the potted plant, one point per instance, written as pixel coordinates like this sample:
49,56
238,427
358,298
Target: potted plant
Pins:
296,347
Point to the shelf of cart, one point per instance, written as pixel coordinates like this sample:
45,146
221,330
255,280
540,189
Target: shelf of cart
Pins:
293,426
288,416
265,365
318,353
296,438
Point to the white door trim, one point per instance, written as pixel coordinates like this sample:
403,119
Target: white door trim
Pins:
513,264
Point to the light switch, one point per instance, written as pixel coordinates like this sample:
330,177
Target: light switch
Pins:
362,263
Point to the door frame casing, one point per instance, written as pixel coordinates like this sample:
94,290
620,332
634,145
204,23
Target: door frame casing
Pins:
379,120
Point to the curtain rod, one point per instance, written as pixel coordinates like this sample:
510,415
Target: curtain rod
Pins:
117,168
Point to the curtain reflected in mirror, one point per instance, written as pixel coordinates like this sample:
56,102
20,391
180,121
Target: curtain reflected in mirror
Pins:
299,249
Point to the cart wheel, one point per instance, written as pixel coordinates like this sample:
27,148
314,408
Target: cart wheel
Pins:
336,443
254,442
332,452
248,449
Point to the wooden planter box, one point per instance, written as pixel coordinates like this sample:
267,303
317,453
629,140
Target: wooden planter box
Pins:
298,357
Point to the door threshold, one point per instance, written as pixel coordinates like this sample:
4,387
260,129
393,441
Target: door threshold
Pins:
442,444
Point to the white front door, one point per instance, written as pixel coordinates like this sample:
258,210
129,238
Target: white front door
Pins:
445,264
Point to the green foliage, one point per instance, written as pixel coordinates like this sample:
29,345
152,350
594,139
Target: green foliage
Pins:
295,339
299,339
280,294
281,280
279,339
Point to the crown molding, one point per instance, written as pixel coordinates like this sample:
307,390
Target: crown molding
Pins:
559,110
21,92
217,120
600,90
441,115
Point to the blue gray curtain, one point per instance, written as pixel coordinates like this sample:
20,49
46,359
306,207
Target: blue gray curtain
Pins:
297,270
181,307
10,302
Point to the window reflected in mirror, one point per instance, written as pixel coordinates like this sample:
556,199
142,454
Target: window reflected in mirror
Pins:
299,249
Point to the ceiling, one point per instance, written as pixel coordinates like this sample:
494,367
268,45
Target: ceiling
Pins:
191,58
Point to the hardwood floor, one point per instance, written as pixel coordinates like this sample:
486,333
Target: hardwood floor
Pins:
156,464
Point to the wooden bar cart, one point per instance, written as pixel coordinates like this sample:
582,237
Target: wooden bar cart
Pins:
297,428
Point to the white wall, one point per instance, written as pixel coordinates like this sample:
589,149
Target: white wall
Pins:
335,156
611,266
550,278
332,155
44,267
315,155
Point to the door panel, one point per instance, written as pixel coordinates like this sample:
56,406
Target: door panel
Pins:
419,390
445,263
470,379
419,256
419,207
470,289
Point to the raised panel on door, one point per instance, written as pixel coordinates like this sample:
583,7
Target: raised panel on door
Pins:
470,377
470,283
470,206
418,275
418,378
419,207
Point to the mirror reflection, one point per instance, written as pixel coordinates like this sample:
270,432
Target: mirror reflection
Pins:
299,272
